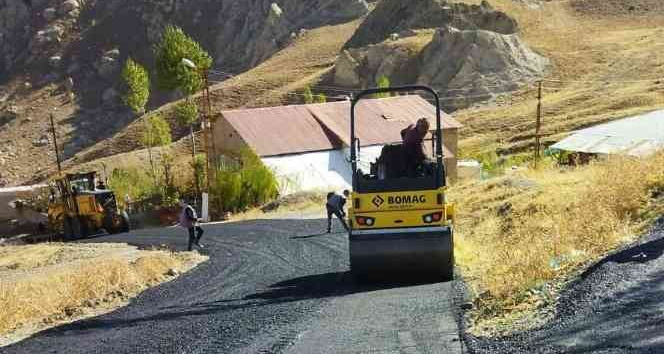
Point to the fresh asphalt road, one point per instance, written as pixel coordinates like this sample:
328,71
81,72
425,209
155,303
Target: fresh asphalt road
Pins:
270,286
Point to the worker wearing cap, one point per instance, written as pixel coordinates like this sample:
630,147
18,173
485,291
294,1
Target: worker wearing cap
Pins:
335,206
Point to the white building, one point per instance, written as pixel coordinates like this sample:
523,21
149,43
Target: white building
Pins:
307,145
635,136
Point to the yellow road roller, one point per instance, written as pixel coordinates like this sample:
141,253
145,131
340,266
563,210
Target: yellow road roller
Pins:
400,221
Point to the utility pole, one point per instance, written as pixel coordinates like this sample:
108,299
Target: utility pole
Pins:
55,143
207,129
539,122
193,161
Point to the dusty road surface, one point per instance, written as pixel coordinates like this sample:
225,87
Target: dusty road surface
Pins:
270,286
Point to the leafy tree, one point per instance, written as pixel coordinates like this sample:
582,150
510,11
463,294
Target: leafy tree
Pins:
172,74
137,84
250,185
198,164
308,95
186,112
383,82
157,132
169,192
320,98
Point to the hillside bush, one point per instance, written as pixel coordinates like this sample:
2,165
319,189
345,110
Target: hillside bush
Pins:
308,95
250,185
174,46
186,112
137,86
134,182
382,82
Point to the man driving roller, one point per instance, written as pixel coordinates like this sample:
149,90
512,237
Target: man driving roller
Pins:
413,145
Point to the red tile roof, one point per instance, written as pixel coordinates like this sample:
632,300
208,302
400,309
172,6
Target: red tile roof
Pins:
325,126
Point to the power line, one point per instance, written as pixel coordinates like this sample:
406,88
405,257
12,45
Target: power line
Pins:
604,81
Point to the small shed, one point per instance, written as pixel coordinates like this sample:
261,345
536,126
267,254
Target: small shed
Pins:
634,136
308,145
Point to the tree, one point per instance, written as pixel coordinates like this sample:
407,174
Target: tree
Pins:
174,46
383,82
157,132
173,74
308,95
186,112
320,98
137,84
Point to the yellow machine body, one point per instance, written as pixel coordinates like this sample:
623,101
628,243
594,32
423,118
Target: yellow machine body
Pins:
400,221
77,209
400,209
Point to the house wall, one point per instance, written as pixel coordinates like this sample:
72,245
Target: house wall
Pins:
451,142
226,138
328,170
323,170
319,170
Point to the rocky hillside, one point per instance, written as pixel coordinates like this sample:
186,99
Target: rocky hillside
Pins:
469,52
400,17
68,54
239,34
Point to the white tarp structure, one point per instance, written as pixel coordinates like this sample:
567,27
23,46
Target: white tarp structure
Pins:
9,195
636,136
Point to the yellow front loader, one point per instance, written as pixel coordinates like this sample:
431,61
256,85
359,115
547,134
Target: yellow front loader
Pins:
78,209
401,224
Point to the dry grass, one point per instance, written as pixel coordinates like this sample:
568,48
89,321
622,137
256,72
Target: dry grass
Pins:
520,233
303,205
604,50
44,285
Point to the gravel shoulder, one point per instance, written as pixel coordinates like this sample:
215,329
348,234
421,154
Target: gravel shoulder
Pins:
616,306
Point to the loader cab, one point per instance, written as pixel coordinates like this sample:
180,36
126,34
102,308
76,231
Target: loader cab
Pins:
399,218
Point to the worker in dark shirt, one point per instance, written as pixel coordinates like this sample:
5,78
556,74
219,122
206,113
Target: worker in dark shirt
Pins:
413,144
335,206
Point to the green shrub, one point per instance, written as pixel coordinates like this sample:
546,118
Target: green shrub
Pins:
308,95
198,165
251,185
137,86
320,98
169,52
136,183
383,82
141,187
186,112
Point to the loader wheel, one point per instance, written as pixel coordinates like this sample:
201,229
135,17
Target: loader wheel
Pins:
68,229
74,229
84,228
124,222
